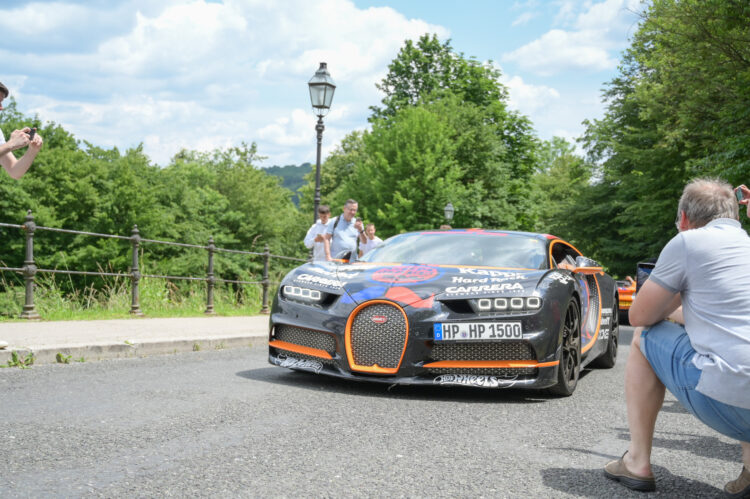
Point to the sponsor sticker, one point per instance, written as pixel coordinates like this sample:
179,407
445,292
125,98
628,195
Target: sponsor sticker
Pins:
499,275
316,279
515,287
481,381
563,278
303,364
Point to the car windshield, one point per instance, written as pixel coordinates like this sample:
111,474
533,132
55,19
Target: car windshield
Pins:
488,249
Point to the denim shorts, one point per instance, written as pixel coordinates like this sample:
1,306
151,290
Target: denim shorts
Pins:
667,347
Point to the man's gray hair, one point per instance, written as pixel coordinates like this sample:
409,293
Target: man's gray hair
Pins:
350,201
706,199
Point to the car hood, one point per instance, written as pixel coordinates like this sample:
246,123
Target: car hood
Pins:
415,285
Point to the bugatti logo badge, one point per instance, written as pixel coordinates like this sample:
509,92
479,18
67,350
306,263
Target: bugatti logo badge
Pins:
379,319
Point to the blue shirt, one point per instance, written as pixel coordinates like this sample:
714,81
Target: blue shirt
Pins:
344,236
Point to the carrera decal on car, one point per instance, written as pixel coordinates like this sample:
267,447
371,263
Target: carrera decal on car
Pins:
490,288
295,363
478,380
406,274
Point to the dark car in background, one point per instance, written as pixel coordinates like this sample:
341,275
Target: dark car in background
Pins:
480,308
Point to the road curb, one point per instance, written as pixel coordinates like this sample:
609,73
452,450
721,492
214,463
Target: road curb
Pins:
48,354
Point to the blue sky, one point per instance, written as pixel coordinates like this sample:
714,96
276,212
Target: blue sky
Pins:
200,74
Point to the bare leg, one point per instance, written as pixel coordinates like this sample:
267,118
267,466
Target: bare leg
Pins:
644,396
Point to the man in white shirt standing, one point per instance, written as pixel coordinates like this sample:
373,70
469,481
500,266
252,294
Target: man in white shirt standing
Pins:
368,240
18,139
315,238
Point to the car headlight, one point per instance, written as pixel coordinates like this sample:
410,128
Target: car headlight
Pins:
514,304
308,295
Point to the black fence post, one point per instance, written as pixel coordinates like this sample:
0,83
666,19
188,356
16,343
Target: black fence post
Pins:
135,274
210,278
266,260
29,269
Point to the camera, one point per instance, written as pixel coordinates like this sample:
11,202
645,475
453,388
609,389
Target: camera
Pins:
32,132
739,195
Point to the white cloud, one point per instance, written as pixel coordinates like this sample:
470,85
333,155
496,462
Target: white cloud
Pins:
523,19
194,74
600,31
528,98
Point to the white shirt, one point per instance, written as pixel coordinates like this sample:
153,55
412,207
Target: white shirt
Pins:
709,267
319,253
370,244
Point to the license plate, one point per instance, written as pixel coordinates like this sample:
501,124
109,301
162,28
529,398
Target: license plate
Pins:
457,331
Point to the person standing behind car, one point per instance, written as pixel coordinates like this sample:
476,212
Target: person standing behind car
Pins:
368,240
18,139
316,235
344,231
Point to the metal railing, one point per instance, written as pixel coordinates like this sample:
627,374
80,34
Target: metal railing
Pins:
29,269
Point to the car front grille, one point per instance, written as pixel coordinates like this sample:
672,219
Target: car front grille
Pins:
377,336
306,338
485,351
500,372
498,350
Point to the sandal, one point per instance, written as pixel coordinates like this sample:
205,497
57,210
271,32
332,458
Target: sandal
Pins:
739,488
616,470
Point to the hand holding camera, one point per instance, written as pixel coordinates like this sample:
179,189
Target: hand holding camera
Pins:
743,196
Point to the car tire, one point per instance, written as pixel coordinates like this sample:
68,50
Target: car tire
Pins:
608,359
569,369
623,314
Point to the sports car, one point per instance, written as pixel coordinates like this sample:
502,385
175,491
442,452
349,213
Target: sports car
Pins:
480,308
626,292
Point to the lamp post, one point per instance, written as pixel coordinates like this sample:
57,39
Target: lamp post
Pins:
321,95
448,211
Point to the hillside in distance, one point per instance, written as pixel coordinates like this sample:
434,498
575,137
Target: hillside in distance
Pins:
292,177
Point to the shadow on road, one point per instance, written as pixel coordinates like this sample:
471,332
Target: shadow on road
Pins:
316,382
593,483
700,445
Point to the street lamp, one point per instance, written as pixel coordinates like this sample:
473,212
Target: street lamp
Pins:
449,211
321,95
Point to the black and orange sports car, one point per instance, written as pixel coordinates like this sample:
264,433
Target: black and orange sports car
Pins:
481,308
626,292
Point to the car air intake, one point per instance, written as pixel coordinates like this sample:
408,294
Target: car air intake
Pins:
376,337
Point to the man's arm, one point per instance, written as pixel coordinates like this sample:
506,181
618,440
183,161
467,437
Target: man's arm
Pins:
18,139
327,246
652,304
310,237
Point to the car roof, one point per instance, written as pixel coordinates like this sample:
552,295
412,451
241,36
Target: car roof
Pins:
490,232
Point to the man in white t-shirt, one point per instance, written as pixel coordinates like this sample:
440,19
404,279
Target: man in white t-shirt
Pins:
368,240
18,139
703,355
316,235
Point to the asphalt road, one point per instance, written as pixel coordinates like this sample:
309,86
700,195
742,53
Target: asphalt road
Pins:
226,423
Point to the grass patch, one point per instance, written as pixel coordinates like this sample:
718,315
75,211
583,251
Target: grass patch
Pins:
112,299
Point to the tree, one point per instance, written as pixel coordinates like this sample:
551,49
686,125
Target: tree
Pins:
431,67
494,148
